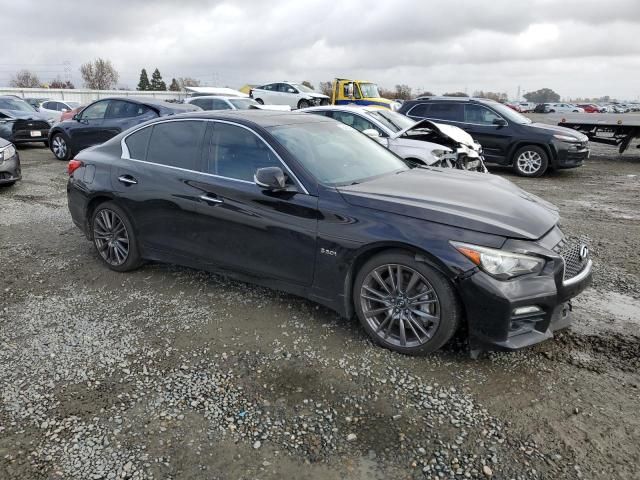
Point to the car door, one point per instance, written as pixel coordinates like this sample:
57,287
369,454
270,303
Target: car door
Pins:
49,107
122,115
157,182
267,93
289,94
88,128
489,129
244,227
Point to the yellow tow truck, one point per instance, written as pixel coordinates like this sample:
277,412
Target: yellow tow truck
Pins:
359,92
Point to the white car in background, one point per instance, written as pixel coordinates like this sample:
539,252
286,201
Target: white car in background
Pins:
293,94
564,108
217,102
55,108
420,143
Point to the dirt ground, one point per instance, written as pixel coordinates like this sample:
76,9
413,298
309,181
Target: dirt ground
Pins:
172,373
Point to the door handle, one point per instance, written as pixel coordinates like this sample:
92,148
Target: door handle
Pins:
127,179
208,198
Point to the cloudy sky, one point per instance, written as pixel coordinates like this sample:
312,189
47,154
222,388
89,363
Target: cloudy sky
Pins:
577,47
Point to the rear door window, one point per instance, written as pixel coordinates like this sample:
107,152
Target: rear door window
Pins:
123,109
237,153
218,104
177,144
452,112
138,142
479,115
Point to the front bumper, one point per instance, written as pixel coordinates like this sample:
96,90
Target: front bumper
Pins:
570,155
490,306
10,170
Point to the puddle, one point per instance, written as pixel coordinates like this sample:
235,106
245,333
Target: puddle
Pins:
598,312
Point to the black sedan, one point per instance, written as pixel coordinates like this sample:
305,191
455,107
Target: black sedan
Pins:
9,164
20,122
103,119
304,204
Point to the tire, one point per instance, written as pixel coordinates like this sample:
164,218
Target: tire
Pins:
7,184
60,146
530,161
552,111
428,323
110,221
303,104
259,100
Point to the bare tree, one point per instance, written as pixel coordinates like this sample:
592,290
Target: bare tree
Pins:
308,84
25,79
59,83
326,88
403,92
99,74
456,94
425,94
188,82
497,96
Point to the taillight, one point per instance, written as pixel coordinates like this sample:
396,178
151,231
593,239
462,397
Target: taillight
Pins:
73,166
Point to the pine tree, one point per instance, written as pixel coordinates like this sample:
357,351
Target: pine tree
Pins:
156,81
144,84
175,86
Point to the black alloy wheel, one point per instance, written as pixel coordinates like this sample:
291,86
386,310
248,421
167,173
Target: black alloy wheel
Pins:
405,305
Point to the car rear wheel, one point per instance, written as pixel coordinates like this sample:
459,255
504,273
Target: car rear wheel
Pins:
60,147
530,161
303,104
114,238
259,100
405,305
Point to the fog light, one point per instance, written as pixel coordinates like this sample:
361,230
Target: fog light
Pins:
526,310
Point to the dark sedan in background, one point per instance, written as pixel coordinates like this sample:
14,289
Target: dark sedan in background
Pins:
20,122
105,118
9,164
304,204
507,137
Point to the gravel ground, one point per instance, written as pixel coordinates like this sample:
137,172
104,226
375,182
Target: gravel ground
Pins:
171,373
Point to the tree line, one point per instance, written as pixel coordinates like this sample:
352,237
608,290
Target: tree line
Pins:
100,74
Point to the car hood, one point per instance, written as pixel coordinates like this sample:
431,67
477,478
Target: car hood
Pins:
454,133
553,129
20,115
315,95
474,201
4,143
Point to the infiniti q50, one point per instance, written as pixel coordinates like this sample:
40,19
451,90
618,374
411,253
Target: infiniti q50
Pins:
305,204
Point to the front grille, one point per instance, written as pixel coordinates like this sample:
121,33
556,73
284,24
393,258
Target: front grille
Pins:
570,251
28,125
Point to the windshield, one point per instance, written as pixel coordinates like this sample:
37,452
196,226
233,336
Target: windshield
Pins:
243,103
394,121
303,88
510,114
16,104
336,154
369,90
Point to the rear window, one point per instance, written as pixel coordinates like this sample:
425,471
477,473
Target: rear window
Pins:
177,144
137,143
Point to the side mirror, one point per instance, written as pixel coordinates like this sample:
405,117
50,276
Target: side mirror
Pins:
270,178
501,122
65,110
76,117
371,132
291,90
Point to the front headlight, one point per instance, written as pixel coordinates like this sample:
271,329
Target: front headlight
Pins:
498,263
439,153
566,138
7,152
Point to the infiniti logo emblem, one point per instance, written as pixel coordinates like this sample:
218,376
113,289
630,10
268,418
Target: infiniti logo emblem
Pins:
584,252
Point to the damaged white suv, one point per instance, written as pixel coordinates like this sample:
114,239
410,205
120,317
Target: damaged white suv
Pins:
421,143
293,94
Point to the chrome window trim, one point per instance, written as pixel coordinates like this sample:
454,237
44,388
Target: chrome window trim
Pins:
408,114
125,155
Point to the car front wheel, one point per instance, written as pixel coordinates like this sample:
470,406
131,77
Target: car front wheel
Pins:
60,147
114,238
405,305
303,104
530,161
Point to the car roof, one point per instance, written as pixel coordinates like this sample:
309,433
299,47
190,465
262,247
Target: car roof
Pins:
221,97
453,99
262,118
